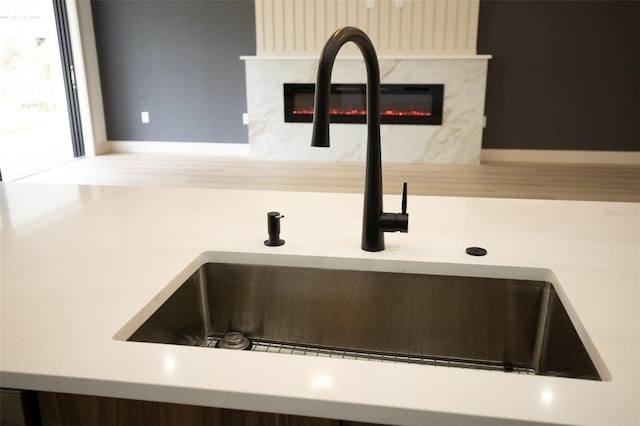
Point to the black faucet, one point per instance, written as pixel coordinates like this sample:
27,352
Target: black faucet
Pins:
374,221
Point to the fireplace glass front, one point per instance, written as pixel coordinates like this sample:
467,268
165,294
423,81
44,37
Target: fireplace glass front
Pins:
399,103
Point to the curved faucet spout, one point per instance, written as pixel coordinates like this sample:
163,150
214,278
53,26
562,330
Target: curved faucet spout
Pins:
323,85
372,229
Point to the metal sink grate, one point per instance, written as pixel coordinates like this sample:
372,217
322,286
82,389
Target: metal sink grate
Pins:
346,353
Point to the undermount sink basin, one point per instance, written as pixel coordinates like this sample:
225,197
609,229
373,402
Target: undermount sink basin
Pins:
462,321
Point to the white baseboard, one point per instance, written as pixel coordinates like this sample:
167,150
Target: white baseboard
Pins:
565,157
221,149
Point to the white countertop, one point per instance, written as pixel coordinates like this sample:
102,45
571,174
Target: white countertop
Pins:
79,262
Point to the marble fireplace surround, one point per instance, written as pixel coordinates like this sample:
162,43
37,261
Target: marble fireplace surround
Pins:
457,141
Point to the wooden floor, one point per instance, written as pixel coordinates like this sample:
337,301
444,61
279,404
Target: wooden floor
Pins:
500,180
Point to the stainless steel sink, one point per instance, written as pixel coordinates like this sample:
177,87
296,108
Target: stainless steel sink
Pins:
489,323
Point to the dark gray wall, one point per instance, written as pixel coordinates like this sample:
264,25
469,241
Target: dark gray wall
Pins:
564,74
177,59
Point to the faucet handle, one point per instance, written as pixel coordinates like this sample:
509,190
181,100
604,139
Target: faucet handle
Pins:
404,198
394,222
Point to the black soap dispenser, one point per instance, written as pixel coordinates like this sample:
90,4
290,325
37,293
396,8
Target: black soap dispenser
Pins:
273,227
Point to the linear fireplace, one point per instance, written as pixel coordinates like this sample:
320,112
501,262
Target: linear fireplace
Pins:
399,103
457,140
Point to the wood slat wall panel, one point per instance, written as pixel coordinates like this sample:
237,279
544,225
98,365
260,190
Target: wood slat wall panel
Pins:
319,23
416,29
406,25
472,27
428,27
439,26
450,16
291,38
462,20
279,25
309,27
301,27
260,25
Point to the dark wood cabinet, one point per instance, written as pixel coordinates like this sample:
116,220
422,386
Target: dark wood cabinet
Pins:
59,409
19,408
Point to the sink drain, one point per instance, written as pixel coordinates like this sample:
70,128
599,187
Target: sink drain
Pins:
234,340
